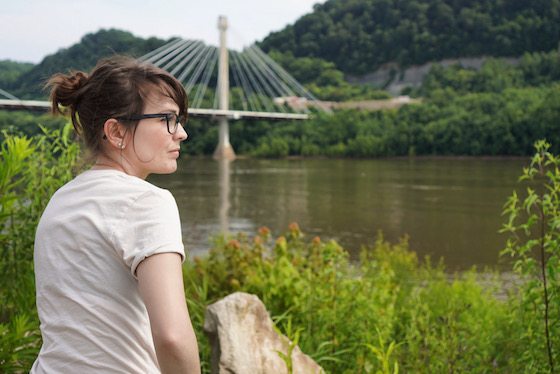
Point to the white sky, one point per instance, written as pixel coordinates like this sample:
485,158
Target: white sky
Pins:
33,29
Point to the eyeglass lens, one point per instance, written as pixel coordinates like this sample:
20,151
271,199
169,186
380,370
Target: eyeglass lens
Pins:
173,121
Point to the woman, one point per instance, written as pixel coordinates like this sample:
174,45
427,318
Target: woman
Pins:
108,248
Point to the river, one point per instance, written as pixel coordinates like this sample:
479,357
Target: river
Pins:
449,208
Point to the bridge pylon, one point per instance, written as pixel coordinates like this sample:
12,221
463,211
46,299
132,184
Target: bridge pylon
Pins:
224,150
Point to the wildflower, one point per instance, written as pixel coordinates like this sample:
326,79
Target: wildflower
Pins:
264,231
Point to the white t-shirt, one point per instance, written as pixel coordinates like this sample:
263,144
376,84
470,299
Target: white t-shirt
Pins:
93,234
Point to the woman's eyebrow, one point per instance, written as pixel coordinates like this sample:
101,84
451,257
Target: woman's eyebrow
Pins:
167,111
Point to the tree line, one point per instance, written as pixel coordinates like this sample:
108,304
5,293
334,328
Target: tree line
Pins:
501,109
358,36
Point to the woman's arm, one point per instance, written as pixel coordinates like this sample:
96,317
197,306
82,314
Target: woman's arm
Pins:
160,279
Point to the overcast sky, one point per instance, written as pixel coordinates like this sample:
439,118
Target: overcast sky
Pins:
33,29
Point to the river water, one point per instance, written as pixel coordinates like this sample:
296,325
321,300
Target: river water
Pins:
449,208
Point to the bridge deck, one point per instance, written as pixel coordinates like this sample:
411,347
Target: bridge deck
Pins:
195,112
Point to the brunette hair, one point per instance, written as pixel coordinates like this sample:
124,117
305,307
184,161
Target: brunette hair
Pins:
117,87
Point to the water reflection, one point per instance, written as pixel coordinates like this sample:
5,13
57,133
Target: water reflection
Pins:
224,178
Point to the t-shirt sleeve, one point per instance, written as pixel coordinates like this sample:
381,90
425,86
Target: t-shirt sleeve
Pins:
151,225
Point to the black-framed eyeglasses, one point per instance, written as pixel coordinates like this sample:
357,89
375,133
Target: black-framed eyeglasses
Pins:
173,119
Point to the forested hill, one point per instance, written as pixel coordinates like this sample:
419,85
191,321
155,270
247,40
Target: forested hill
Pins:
360,35
81,56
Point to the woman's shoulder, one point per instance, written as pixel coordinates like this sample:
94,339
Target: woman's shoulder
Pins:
111,184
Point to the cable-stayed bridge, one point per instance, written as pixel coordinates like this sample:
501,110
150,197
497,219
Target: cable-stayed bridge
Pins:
257,86
222,84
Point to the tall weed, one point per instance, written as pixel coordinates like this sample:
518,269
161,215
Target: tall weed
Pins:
534,245
30,171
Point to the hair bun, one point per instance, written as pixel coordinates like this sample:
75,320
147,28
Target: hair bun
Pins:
66,89
77,80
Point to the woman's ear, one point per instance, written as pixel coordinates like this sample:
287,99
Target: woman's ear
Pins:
114,133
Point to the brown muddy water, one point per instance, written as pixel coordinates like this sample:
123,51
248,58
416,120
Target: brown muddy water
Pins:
449,208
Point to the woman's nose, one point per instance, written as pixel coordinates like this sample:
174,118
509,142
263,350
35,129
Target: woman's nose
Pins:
181,133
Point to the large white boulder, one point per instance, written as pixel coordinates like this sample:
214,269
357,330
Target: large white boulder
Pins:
243,341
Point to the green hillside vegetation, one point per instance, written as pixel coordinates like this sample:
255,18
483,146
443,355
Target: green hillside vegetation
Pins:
500,109
81,56
324,80
360,35
10,71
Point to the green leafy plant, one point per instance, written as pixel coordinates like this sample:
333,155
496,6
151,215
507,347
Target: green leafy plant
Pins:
19,346
290,342
534,225
383,354
30,171
439,322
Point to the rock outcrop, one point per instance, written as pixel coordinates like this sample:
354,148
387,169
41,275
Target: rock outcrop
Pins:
243,341
395,79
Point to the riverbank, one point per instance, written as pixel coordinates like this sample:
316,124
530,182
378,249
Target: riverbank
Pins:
435,321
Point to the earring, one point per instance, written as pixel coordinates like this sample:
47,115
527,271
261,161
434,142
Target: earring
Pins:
121,145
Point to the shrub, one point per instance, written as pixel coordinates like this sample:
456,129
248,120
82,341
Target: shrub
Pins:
30,171
385,312
534,225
